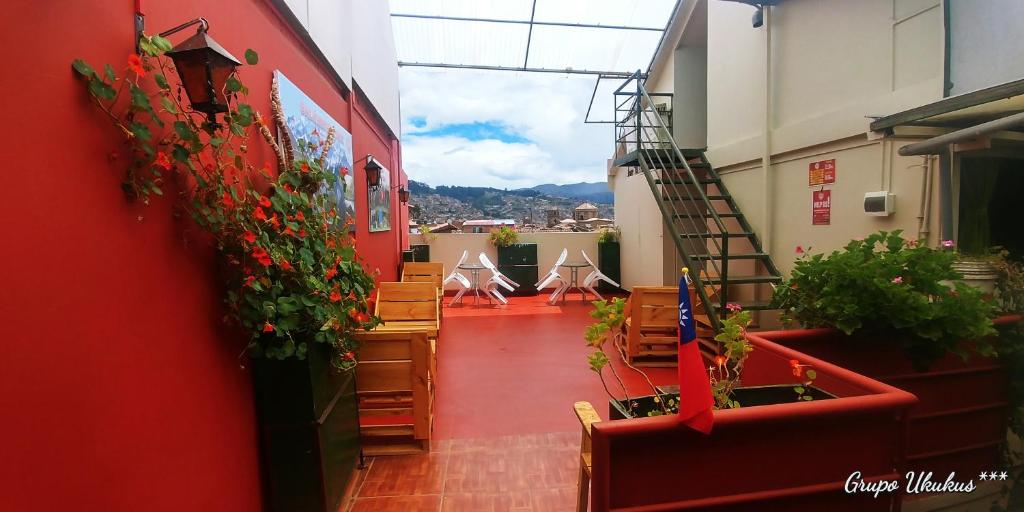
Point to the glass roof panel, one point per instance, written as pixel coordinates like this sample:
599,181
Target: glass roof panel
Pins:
493,9
632,13
460,42
593,49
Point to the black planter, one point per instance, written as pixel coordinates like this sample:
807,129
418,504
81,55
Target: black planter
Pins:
420,252
608,262
309,431
519,263
747,397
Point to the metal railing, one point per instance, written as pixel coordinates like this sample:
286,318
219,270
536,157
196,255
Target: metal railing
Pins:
643,125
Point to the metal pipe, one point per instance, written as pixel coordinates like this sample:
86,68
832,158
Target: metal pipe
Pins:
523,22
569,71
926,228
766,156
936,145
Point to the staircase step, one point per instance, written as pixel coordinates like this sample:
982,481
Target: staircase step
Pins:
740,256
410,448
755,305
744,279
711,197
387,430
741,234
706,215
702,181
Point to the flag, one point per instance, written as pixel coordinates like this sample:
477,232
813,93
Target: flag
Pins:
694,387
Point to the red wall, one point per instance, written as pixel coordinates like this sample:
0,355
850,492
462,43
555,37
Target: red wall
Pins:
121,388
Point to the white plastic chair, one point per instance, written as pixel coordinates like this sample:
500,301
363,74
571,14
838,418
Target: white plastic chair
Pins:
461,279
594,277
497,279
553,276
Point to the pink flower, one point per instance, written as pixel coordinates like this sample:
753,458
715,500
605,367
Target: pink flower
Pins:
948,244
799,249
912,243
897,280
734,307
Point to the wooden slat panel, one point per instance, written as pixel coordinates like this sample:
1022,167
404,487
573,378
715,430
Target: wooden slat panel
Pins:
388,411
377,349
408,310
391,292
384,376
421,364
659,316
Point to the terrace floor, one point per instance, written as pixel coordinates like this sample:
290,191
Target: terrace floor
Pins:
505,435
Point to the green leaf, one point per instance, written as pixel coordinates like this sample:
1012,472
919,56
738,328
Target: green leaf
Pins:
161,81
140,100
156,190
233,85
101,90
216,141
244,114
183,131
140,131
180,153
83,68
161,44
148,47
168,105
109,71
236,129
251,57
811,374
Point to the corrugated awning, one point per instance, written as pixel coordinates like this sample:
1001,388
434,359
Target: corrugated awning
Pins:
960,111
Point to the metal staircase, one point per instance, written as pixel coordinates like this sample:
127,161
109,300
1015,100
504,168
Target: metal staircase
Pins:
712,236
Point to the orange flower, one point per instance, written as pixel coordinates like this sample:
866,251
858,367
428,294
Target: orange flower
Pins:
304,167
259,214
268,327
798,369
343,171
288,230
720,361
227,201
302,233
249,280
261,256
274,222
249,236
330,243
288,188
335,295
264,202
300,216
284,264
135,64
331,272
162,160
349,356
363,318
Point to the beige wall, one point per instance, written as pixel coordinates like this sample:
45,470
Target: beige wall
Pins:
641,245
447,248
861,166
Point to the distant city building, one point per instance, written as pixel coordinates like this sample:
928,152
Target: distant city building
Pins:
552,217
486,225
584,211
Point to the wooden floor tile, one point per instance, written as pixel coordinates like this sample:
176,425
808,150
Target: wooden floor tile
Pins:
405,475
397,504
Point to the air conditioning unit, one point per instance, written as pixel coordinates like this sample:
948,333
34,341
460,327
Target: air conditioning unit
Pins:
879,204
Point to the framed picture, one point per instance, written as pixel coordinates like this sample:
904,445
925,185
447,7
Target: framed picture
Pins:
307,123
380,203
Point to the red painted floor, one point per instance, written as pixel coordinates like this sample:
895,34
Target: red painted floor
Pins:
518,369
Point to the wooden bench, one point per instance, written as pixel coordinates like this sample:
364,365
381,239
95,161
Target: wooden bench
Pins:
587,416
651,326
408,305
395,392
425,272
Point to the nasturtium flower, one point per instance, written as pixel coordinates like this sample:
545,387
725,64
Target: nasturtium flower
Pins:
335,295
227,201
249,237
331,272
162,160
720,361
264,202
284,264
261,256
135,64
274,222
288,230
304,167
259,214
268,327
300,217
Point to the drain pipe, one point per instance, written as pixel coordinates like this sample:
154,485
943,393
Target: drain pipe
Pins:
924,211
766,156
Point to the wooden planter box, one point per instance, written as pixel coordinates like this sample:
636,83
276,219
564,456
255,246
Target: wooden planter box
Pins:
309,431
784,457
961,419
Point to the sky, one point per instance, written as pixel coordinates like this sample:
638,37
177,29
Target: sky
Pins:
500,129
509,129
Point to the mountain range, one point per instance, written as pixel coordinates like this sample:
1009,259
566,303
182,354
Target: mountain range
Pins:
526,205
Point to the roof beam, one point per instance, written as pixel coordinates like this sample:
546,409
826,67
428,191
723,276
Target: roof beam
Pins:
569,71
530,22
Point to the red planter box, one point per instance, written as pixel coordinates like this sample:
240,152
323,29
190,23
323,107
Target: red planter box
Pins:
784,457
961,418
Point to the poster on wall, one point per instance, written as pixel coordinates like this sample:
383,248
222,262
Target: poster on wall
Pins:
380,203
821,173
821,207
309,123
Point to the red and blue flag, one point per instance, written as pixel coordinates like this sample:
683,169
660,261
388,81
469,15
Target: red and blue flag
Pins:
695,401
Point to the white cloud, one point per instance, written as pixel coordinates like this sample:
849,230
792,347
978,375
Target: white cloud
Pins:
546,109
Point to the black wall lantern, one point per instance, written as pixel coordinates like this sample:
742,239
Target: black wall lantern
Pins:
403,195
204,67
372,172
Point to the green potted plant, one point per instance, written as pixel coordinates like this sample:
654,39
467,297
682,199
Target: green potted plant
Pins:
291,278
516,260
421,252
896,310
608,257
